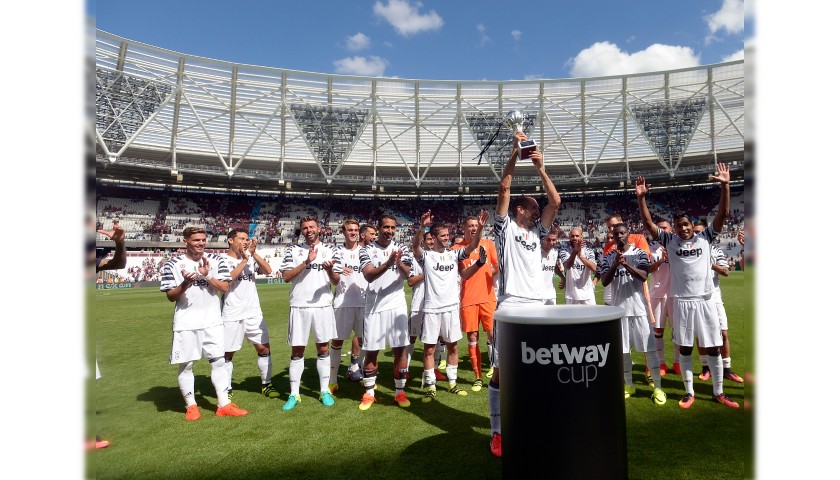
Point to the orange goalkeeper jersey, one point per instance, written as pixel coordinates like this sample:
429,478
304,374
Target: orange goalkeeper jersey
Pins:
479,288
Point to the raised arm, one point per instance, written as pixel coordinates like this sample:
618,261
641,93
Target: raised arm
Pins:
119,259
503,200
723,206
553,206
263,267
482,221
647,220
425,221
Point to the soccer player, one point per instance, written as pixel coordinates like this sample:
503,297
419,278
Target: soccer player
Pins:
478,295
441,306
349,304
385,264
310,306
550,266
638,240
418,290
193,280
517,241
579,263
241,312
626,268
661,302
719,266
367,234
694,311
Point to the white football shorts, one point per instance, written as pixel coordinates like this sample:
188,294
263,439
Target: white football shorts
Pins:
637,329
189,345
252,328
389,327
446,324
662,307
696,318
302,320
349,319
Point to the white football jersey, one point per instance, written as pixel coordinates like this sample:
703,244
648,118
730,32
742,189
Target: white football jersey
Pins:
579,284
418,291
520,257
627,291
350,289
441,279
549,261
199,305
691,269
660,280
311,287
241,300
386,292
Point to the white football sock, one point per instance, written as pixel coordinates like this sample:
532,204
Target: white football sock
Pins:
335,362
322,365
452,374
264,366
716,366
295,372
186,382
686,365
628,369
229,368
221,380
653,366
494,401
660,349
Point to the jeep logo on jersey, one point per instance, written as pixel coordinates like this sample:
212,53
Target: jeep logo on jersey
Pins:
443,268
694,252
548,268
577,364
523,240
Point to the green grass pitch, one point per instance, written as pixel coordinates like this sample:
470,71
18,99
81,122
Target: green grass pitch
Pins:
138,407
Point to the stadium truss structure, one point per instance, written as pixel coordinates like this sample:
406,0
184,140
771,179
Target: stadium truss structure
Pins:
166,118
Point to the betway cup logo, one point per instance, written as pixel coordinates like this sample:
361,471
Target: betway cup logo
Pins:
577,364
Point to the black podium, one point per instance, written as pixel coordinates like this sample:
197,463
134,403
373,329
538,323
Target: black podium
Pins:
562,392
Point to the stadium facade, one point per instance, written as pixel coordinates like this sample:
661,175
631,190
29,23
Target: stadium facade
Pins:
169,118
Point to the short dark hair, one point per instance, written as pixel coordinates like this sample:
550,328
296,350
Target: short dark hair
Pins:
437,227
307,218
701,221
364,227
468,218
387,216
681,215
520,202
619,225
235,231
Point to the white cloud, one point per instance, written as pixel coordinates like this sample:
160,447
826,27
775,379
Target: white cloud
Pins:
739,55
357,42
484,38
730,19
406,18
516,34
371,66
605,58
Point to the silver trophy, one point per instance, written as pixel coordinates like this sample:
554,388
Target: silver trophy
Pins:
515,121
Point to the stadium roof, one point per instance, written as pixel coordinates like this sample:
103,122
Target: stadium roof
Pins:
165,117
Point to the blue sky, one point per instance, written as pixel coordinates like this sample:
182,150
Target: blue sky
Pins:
463,39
